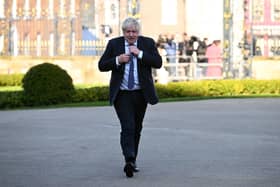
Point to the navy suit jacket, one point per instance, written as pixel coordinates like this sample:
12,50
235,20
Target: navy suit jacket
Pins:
151,59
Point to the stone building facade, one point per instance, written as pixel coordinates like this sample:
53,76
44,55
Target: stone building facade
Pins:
80,27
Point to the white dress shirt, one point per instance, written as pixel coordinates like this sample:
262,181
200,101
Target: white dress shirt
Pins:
124,84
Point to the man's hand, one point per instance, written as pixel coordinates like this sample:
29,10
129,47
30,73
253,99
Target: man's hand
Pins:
134,50
123,58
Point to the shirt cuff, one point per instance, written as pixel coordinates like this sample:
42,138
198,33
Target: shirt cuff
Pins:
140,55
117,61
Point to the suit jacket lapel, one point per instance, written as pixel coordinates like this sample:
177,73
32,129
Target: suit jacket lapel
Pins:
121,46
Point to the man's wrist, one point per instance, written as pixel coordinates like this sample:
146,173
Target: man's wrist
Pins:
117,61
140,55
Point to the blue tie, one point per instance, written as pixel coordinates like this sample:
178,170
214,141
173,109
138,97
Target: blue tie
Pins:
130,84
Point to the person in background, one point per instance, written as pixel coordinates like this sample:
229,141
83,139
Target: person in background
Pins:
161,41
185,49
258,51
171,51
130,58
214,56
201,51
278,51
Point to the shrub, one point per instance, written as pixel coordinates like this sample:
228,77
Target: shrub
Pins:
100,93
11,79
218,88
46,84
191,89
11,99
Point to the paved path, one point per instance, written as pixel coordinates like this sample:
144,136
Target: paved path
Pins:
209,143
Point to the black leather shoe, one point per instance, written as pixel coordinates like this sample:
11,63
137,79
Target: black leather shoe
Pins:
135,168
128,169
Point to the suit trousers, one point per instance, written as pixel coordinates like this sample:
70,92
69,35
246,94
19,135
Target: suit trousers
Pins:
130,107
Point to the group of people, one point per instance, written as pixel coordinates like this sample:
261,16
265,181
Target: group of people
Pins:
274,50
191,49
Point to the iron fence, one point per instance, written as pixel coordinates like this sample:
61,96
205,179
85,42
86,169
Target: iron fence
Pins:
193,70
46,48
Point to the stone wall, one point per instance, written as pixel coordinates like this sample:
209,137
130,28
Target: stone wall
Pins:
265,69
83,70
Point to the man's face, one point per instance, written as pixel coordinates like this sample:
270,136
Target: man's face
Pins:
131,35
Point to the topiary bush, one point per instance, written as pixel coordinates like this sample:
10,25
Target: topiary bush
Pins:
47,84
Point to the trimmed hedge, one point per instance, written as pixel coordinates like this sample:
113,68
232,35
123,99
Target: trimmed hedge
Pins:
11,79
11,99
99,93
219,88
47,84
201,88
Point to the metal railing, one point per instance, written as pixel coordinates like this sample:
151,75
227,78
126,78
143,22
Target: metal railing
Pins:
193,70
47,48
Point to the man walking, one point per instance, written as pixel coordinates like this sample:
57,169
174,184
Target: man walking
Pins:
130,58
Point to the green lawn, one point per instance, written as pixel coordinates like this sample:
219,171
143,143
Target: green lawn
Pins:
10,88
18,88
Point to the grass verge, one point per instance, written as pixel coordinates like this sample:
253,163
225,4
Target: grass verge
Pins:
164,100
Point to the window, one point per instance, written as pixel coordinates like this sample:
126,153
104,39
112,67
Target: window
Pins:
14,41
133,8
51,45
73,35
39,44
169,12
112,12
275,10
62,8
2,10
72,8
1,44
258,10
51,14
14,9
38,8
26,44
62,44
26,9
